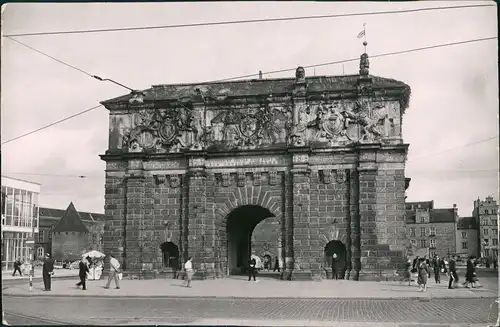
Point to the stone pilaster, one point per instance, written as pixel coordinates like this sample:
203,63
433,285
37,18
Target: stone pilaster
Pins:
287,239
198,238
301,213
134,218
367,171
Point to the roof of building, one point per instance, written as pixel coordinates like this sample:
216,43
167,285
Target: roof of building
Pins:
278,86
70,222
58,213
466,223
442,215
422,204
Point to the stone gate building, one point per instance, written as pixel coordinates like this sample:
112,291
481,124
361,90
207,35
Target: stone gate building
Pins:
191,169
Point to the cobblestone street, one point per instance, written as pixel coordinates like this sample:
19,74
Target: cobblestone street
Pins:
195,310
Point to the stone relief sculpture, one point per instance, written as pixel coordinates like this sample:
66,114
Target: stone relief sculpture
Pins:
249,127
337,122
159,130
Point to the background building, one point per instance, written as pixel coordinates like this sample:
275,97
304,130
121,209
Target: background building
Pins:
467,237
485,214
431,231
19,219
68,233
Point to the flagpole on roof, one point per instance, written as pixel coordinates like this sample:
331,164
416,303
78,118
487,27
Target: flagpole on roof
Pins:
364,36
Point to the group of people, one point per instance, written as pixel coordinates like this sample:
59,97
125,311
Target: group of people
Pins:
423,267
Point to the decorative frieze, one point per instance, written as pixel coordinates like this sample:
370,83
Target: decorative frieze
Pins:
273,178
226,179
341,176
327,176
175,181
159,179
256,178
241,179
247,162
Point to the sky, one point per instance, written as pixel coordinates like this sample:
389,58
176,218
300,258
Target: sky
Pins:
454,89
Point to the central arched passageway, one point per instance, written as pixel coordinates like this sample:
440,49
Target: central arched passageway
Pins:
241,223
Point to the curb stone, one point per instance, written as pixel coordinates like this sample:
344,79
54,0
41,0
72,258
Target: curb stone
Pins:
248,297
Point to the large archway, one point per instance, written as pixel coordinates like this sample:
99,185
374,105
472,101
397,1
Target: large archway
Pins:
340,263
241,223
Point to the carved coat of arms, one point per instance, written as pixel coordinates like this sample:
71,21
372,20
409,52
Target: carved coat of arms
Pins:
248,126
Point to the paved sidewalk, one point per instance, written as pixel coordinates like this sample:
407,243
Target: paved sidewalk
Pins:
265,288
7,275
316,323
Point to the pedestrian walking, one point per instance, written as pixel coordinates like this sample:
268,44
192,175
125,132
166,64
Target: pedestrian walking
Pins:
452,271
436,266
407,274
82,273
188,267
17,267
470,274
277,264
251,269
47,272
423,273
495,263
114,270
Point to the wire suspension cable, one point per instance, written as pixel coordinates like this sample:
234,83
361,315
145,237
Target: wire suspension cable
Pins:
250,21
52,124
356,59
68,65
430,155
276,71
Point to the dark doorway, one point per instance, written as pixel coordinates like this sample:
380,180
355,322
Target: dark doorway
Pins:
239,227
170,255
338,248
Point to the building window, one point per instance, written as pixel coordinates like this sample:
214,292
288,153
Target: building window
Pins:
412,232
464,234
432,231
464,245
422,231
486,241
41,236
485,231
495,242
485,211
422,219
94,238
39,252
486,253
494,231
432,243
423,243
494,222
413,242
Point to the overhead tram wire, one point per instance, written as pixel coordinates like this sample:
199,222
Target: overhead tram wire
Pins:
357,59
430,155
68,65
249,21
52,124
270,72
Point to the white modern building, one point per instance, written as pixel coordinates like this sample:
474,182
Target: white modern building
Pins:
20,202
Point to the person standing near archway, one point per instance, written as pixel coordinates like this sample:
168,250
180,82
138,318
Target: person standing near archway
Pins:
334,266
277,264
252,269
188,266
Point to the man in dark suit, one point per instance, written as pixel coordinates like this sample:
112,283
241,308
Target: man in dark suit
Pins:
47,271
452,267
251,268
83,270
